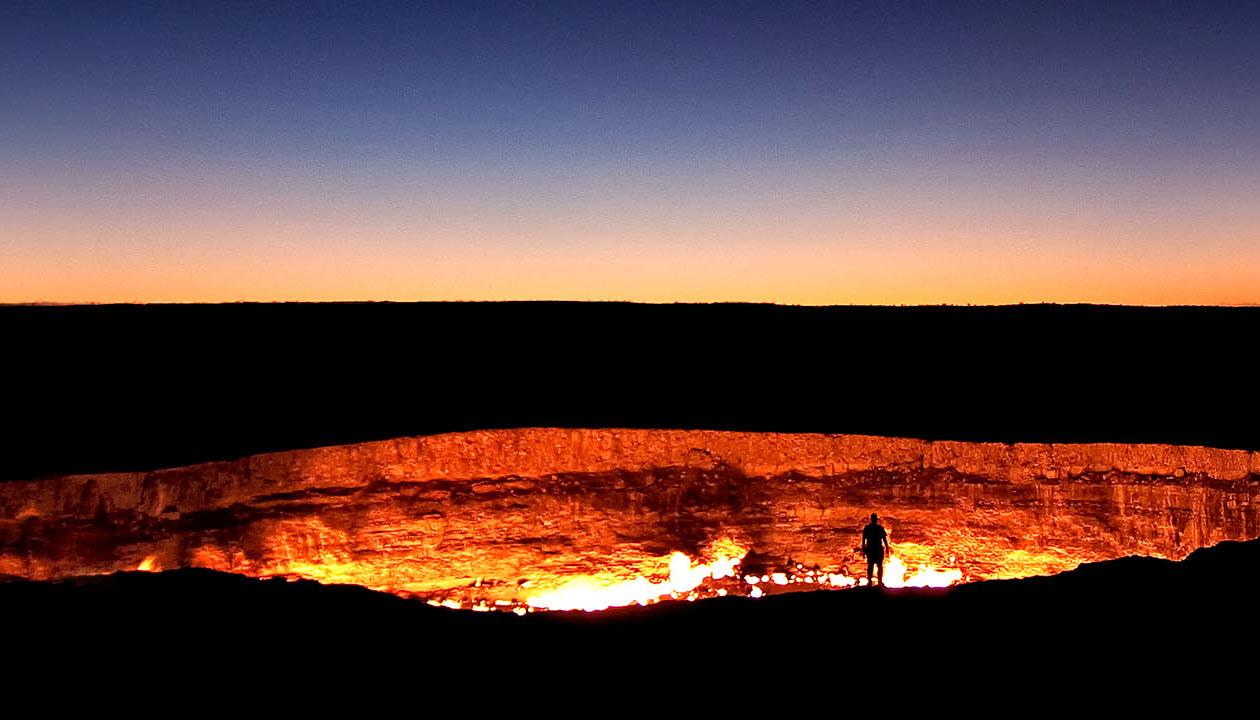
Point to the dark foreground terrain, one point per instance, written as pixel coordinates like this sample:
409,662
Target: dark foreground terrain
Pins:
107,388
1119,621
98,389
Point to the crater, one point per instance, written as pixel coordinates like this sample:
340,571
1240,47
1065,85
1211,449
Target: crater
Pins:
543,518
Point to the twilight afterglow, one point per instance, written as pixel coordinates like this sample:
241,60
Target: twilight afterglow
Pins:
811,153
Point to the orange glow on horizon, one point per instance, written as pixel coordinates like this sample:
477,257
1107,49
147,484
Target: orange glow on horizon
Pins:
929,250
800,278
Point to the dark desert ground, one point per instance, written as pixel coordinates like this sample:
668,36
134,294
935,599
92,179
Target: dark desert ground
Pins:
114,388
134,387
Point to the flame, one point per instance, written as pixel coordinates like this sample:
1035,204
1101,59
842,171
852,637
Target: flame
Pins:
930,577
689,580
149,564
679,578
591,594
897,575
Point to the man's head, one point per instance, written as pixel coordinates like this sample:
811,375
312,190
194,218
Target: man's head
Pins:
874,518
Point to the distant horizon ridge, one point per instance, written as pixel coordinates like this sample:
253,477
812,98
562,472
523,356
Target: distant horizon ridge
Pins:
1036,303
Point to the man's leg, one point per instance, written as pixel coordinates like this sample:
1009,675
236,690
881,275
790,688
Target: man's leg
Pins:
879,564
870,570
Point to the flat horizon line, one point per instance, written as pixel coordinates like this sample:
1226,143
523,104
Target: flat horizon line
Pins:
1045,303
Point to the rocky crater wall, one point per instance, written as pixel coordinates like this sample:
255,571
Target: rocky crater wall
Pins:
502,513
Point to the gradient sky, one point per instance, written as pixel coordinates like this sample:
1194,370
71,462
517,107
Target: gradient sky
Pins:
787,152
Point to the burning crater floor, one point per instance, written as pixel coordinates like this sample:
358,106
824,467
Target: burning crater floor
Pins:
1105,629
555,519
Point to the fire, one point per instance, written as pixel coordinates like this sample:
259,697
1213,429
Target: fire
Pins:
537,519
896,575
688,580
676,576
591,594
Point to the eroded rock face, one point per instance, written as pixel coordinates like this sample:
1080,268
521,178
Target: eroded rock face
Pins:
502,515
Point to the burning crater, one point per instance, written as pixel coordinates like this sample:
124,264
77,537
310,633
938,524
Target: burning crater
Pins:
532,519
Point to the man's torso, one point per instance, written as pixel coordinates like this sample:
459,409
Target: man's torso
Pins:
874,535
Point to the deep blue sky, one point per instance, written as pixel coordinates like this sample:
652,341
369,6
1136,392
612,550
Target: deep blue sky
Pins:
150,130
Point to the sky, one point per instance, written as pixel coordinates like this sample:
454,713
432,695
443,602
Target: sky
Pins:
790,152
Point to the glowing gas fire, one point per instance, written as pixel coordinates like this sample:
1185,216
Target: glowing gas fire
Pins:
540,519
689,580
717,573
896,575
590,594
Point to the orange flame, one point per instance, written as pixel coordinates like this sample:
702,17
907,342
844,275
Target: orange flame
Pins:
897,575
591,594
690,581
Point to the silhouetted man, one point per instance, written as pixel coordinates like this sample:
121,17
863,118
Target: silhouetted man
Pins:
874,542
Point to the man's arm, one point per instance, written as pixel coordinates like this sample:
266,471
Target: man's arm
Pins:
887,545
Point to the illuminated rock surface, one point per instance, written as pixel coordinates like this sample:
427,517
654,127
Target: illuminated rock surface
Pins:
510,515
